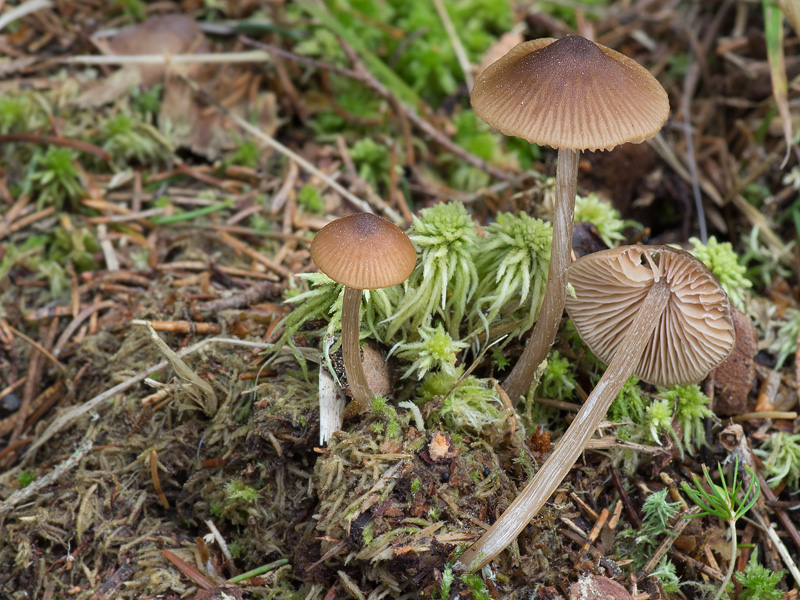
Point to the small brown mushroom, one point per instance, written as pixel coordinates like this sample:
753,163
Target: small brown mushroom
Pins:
362,252
573,95
652,311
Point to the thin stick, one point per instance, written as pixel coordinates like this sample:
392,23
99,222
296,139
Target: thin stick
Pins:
49,140
691,159
38,484
36,345
458,47
156,481
250,56
666,544
22,10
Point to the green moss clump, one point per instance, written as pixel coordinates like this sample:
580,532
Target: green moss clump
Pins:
724,263
512,262
691,407
558,380
446,277
470,407
601,214
436,350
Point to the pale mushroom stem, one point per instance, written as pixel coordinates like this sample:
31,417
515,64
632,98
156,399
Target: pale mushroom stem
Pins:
544,331
540,488
351,352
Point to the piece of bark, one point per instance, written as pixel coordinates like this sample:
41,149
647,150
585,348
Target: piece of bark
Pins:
733,379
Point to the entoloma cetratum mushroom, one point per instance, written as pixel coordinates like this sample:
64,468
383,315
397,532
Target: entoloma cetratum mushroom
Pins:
362,252
573,95
650,311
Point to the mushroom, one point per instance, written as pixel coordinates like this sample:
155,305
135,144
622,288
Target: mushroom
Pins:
573,95
362,252
652,311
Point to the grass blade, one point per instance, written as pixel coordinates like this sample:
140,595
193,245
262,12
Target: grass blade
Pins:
773,30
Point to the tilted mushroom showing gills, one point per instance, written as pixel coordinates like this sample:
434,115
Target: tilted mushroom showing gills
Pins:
652,311
573,95
362,252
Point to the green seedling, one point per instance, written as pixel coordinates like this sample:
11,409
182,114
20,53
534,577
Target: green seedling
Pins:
723,502
785,343
471,406
309,198
665,571
558,380
691,408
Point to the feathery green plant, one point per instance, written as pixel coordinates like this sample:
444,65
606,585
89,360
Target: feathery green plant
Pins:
658,417
724,263
658,512
436,350
22,112
324,301
446,277
764,263
629,405
126,140
665,571
512,263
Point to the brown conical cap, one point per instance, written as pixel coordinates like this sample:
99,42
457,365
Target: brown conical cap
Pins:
364,251
570,93
694,333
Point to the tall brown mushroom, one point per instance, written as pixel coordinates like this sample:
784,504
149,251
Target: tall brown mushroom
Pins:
362,252
652,311
573,95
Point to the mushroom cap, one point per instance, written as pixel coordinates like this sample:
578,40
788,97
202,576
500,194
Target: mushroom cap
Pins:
364,251
570,93
694,333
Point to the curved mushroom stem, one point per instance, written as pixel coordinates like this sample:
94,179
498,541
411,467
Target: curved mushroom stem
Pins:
351,352
544,331
540,488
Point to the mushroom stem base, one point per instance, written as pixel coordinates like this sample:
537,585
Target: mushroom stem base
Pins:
351,353
544,331
527,504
